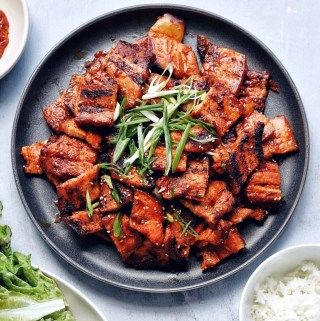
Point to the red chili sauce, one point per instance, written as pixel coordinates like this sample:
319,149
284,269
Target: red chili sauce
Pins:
4,32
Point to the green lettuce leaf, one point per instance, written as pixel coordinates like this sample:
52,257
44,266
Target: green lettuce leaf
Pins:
26,294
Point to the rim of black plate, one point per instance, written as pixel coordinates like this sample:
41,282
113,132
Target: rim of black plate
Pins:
166,6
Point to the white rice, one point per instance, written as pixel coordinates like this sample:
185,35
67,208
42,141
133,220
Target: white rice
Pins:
292,297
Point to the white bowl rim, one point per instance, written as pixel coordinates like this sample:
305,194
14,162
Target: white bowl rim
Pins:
263,265
20,50
75,290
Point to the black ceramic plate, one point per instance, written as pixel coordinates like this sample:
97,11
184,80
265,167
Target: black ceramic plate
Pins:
101,260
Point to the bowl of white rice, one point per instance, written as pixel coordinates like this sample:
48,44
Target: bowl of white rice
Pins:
285,287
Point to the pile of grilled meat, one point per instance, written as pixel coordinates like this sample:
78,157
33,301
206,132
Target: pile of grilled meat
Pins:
217,185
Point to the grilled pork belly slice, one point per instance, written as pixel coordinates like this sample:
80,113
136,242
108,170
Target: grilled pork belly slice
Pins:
245,158
241,214
132,179
148,256
222,65
159,162
168,49
64,157
264,185
216,202
192,184
72,193
254,91
130,239
169,26
31,155
177,243
283,141
212,255
83,224
60,120
128,64
193,145
147,217
220,108
108,203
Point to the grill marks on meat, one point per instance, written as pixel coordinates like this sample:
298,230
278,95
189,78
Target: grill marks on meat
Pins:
147,217
220,108
192,184
128,64
212,255
31,155
159,162
193,146
129,242
72,193
64,157
254,91
222,65
264,185
60,120
168,49
83,224
216,202
283,141
245,158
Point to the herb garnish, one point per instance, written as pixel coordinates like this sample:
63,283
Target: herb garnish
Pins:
89,206
114,191
117,226
185,226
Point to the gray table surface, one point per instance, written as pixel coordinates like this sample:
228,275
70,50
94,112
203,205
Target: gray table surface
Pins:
290,28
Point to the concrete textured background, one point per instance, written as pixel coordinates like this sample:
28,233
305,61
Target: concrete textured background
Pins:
291,30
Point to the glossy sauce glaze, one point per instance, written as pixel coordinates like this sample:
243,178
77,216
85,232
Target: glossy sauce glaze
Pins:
4,32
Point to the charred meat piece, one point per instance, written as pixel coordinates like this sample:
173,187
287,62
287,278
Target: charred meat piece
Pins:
241,214
72,193
179,55
214,236
216,202
93,104
148,256
166,36
133,178
245,158
222,65
264,185
283,141
72,129
147,217
212,255
220,108
169,26
60,120
128,241
64,157
192,184
114,197
31,155
196,144
83,224
159,162
177,243
56,113
254,91
128,64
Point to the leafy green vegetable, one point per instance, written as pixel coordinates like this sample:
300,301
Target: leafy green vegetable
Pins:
117,226
26,294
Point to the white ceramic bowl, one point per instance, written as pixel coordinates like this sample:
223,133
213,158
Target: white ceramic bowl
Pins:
81,307
17,14
278,264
